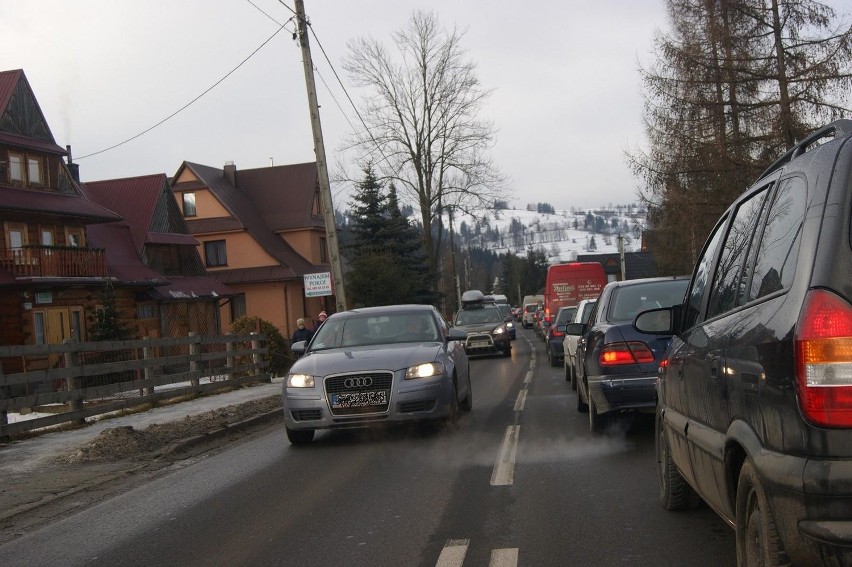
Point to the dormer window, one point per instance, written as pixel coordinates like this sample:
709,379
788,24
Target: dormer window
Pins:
189,204
34,168
16,168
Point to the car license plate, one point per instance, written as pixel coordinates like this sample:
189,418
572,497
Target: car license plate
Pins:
479,344
359,399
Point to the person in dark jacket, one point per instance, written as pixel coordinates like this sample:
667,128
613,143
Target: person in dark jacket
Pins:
301,333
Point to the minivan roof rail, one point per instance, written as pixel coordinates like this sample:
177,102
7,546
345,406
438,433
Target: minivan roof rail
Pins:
837,129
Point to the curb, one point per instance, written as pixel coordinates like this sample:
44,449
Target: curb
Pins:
189,442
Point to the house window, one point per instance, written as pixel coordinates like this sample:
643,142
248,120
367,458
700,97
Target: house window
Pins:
16,167
146,311
34,171
16,235
46,237
189,205
317,210
238,306
323,250
38,327
73,237
214,253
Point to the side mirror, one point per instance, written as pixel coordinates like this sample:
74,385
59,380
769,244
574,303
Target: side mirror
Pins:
655,321
298,348
456,335
576,329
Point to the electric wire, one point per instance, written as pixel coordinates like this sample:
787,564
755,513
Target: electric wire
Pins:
184,107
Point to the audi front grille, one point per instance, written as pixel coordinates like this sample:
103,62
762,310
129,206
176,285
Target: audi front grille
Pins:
359,393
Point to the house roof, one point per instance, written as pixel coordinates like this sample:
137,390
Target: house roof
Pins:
38,137
54,205
182,288
265,201
123,262
134,198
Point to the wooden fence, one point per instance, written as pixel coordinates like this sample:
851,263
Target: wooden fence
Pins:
72,381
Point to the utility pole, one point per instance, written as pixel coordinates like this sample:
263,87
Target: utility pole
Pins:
621,255
322,169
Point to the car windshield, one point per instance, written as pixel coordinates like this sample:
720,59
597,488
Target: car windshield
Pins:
629,300
479,315
361,330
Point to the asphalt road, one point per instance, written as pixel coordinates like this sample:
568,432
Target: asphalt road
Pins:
520,481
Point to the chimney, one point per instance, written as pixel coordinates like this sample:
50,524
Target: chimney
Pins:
231,173
73,168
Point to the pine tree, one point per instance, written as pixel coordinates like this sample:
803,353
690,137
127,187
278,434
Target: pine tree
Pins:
387,262
109,326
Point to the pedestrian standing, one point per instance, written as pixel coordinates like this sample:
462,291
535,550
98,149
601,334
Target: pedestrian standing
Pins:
320,318
301,333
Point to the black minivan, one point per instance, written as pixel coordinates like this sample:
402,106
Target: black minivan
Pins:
754,398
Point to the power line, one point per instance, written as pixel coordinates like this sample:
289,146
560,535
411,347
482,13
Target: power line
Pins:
184,107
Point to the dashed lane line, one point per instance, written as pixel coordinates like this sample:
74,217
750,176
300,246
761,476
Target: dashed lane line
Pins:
504,469
455,551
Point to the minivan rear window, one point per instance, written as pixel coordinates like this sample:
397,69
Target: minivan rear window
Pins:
779,247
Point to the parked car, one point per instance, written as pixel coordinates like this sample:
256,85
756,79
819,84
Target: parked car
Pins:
618,367
754,399
397,363
569,341
484,324
556,334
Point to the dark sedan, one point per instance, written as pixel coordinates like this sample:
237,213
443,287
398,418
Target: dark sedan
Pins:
619,365
376,365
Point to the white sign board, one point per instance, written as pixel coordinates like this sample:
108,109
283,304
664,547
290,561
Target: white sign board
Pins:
317,285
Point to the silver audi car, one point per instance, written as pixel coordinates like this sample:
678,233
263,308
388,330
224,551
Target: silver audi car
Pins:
376,365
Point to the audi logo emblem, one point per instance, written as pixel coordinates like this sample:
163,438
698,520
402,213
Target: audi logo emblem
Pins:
363,382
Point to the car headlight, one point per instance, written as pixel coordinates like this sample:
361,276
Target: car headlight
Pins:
300,381
499,330
424,370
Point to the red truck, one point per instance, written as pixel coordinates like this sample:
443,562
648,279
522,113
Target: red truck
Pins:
567,284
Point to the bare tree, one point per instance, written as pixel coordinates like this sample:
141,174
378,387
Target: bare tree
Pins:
735,83
421,121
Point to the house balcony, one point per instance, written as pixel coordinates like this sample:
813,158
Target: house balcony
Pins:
54,262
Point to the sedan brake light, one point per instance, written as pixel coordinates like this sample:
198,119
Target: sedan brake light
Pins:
634,352
824,359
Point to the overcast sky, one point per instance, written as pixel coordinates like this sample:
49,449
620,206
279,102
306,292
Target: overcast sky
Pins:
566,99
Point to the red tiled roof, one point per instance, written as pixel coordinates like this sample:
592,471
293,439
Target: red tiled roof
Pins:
8,82
134,198
123,262
171,238
264,196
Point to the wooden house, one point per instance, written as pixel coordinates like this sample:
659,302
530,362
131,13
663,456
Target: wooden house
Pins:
51,276
152,242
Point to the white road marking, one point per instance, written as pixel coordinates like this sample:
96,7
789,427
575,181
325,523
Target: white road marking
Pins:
504,468
453,553
504,557
522,397
528,377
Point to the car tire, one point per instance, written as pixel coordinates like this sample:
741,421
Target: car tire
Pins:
453,417
507,351
553,360
757,537
675,492
467,402
567,370
573,372
582,406
299,436
597,422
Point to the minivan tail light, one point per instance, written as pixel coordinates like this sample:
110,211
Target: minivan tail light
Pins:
634,352
824,359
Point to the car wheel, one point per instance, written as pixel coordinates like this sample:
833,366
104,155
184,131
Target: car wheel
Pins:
573,372
453,416
467,403
567,370
553,360
675,492
597,421
582,406
300,436
757,537
507,351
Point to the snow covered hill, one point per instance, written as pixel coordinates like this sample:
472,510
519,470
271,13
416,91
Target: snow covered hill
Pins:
562,235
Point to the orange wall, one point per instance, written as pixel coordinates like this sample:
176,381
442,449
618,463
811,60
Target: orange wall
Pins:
242,250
